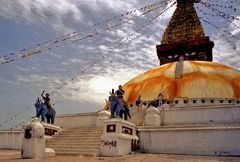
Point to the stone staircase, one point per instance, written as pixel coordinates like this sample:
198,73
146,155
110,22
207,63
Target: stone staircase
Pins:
80,141
137,116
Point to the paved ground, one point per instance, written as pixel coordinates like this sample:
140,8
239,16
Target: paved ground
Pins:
14,155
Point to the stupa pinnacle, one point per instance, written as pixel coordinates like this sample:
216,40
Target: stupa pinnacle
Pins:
184,36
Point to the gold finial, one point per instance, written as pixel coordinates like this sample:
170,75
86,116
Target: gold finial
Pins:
184,24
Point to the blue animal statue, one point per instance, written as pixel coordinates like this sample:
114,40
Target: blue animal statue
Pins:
51,115
45,112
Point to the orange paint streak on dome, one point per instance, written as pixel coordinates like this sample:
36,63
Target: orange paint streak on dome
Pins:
200,79
236,85
206,85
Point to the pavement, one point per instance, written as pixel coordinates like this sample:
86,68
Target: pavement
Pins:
14,156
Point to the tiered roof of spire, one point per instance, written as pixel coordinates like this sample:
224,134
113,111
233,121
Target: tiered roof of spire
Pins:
184,24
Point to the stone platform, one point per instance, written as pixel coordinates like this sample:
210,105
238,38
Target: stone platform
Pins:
192,127
14,156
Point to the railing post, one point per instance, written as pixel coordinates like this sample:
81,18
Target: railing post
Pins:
119,137
152,117
33,145
102,115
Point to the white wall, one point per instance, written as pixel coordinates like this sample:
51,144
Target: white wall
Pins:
11,139
201,115
76,120
191,141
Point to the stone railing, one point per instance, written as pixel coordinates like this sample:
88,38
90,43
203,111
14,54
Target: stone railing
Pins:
198,102
182,102
11,139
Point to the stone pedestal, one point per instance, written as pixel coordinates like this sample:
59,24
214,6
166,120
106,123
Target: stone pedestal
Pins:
152,117
118,137
33,148
102,115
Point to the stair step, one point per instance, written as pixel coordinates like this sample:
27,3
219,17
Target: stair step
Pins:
75,140
137,117
82,132
77,154
74,144
84,142
85,127
76,136
80,144
76,150
75,147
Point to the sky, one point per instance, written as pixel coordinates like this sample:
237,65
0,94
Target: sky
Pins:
98,63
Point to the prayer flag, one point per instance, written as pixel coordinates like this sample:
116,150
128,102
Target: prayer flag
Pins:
22,50
29,53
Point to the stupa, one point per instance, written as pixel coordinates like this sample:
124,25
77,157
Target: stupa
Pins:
186,68
200,114
201,109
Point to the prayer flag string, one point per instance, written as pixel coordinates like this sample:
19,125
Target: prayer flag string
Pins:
49,45
223,15
75,77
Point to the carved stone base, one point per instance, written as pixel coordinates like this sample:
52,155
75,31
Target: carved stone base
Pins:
33,148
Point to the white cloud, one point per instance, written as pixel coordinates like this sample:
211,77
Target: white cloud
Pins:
97,87
50,12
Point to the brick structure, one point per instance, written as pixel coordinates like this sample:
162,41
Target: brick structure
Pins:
184,36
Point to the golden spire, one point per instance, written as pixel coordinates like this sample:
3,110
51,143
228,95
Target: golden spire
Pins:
184,38
184,24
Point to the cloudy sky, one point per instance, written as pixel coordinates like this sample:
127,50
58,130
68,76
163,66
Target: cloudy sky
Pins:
97,63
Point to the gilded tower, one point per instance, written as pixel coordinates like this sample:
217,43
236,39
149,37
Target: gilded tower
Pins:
184,36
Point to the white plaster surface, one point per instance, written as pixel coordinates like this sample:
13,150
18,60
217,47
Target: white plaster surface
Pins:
201,115
11,139
152,117
76,120
123,146
117,143
102,116
191,140
33,148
